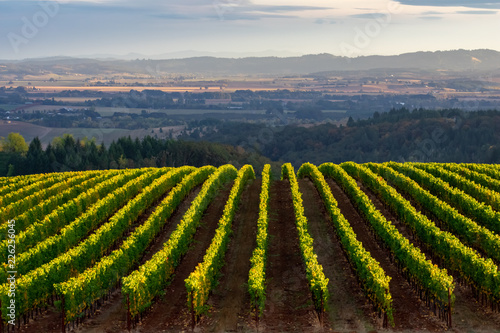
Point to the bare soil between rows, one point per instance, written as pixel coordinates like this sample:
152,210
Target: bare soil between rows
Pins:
230,308
289,305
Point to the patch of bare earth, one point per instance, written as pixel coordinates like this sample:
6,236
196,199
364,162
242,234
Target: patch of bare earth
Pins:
230,308
289,305
348,308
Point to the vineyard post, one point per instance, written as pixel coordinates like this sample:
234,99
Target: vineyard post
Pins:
321,309
449,308
257,310
193,319
386,319
129,320
1,318
63,315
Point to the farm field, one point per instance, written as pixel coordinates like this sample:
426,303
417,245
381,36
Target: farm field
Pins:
101,135
411,247
109,111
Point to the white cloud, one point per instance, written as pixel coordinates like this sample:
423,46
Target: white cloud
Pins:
453,3
478,12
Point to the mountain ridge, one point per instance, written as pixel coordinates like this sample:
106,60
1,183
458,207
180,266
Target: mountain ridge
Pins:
453,60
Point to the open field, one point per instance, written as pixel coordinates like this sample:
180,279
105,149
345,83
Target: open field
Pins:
106,112
107,286
346,84
75,99
109,111
354,89
32,108
106,135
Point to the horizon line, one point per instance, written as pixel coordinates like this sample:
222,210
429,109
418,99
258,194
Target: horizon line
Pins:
210,54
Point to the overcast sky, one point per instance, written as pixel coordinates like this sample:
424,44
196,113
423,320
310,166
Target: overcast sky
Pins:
151,27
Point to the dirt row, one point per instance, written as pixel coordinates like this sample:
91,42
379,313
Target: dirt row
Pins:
230,302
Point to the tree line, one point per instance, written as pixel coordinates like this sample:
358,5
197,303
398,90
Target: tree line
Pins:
448,135
69,154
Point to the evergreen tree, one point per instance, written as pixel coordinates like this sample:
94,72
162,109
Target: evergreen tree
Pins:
36,159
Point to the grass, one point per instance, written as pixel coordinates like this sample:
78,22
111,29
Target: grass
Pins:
46,134
9,107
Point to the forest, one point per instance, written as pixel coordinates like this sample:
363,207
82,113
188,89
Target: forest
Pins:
448,135
401,135
69,154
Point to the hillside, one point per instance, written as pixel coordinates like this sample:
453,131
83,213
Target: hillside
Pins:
458,60
101,135
398,135
345,247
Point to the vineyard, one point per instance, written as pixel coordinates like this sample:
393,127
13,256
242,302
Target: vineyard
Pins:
349,247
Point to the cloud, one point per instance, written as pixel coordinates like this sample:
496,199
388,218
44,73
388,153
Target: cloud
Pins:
244,16
369,16
253,12
493,4
235,10
172,16
431,18
231,10
433,13
477,12
284,9
325,21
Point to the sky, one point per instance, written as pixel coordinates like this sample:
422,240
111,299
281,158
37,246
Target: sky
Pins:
167,28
